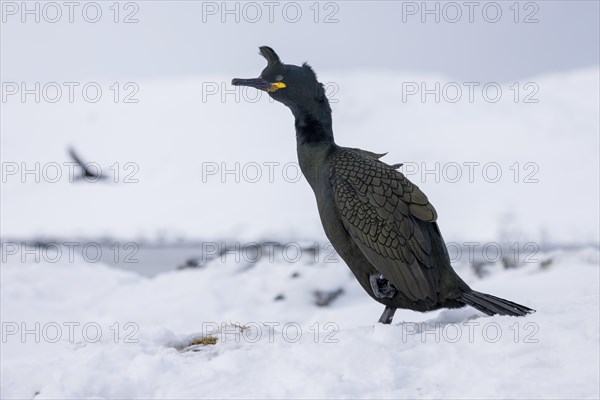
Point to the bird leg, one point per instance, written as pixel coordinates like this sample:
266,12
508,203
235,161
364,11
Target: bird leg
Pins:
387,316
382,288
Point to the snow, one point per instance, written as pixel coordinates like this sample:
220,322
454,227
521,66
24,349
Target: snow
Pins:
182,140
181,145
341,351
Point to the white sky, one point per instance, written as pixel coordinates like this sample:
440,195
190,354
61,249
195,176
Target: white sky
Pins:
190,38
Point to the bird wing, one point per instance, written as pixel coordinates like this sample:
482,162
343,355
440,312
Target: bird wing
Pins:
76,158
388,217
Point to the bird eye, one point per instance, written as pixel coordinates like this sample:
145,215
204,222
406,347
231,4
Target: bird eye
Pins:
279,78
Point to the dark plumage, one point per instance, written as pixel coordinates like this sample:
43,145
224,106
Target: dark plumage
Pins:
381,224
86,173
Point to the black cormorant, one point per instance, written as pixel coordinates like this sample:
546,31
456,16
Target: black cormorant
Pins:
380,223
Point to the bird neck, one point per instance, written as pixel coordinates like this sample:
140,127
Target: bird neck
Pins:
314,139
313,123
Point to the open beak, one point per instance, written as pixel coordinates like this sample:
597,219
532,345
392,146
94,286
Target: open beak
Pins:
258,83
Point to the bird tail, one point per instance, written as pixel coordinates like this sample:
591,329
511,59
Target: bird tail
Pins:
492,305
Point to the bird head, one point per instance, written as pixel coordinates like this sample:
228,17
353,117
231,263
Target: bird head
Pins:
291,85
